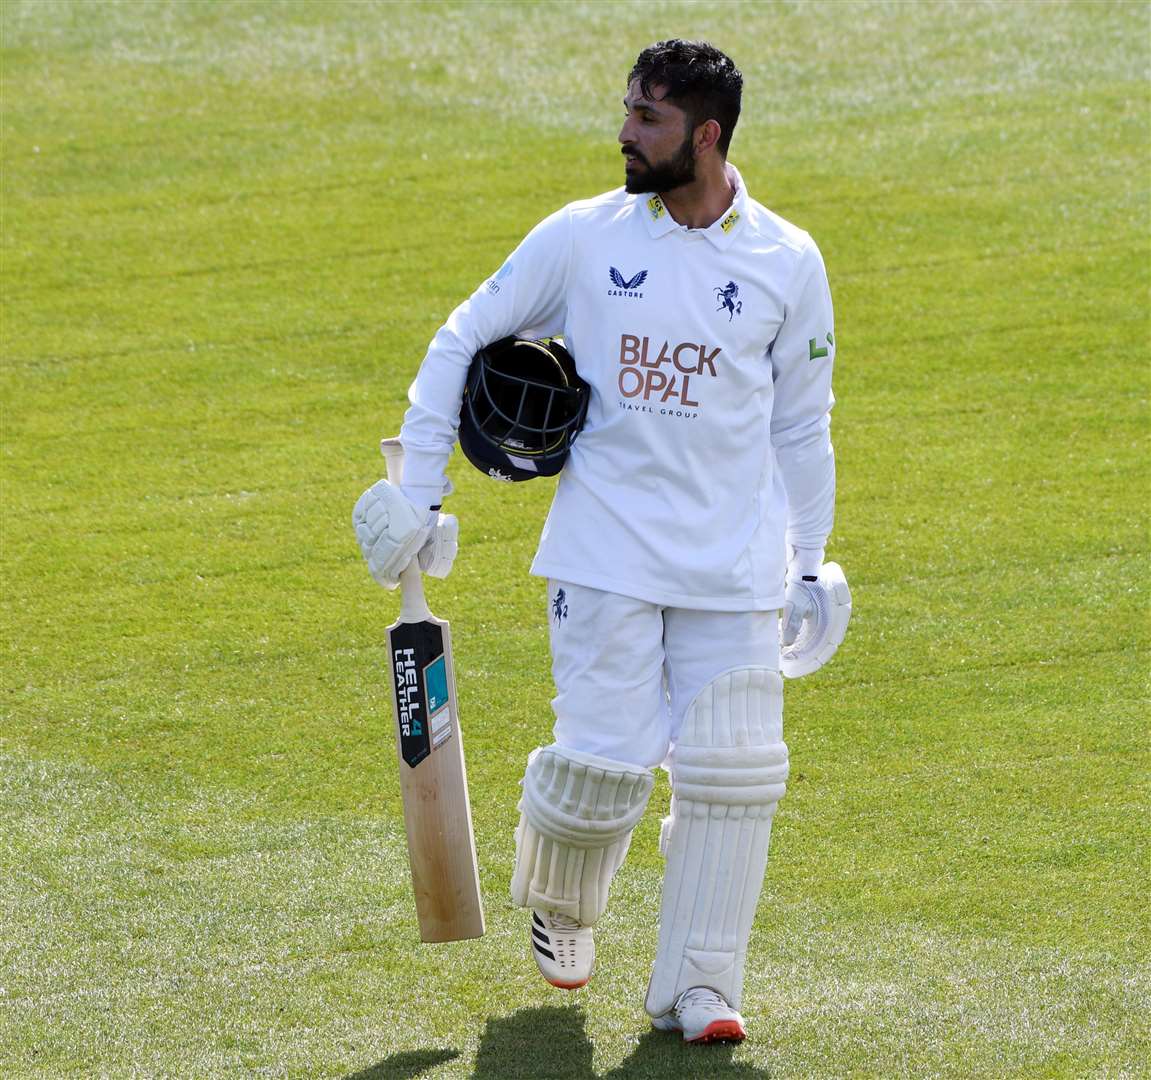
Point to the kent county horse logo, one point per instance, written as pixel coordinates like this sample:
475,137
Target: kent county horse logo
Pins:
560,606
726,295
626,286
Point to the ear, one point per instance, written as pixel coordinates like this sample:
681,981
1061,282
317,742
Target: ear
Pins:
706,136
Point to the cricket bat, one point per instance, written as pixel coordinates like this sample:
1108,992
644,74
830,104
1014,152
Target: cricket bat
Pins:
433,779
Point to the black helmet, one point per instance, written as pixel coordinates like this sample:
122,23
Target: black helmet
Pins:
523,406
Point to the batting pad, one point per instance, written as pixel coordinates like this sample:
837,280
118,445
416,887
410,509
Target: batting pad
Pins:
576,819
728,772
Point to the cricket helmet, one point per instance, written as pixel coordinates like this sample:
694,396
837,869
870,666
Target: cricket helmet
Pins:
524,404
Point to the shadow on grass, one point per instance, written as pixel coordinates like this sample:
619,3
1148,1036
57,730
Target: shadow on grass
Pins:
404,1066
552,1044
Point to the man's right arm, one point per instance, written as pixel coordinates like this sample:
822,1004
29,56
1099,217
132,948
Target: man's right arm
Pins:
526,296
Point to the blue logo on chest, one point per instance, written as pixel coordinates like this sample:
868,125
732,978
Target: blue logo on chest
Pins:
626,286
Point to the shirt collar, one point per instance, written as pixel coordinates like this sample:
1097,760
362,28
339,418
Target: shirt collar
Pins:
721,233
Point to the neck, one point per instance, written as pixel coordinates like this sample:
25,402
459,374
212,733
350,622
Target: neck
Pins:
705,200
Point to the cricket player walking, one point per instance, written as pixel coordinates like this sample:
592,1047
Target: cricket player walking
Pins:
691,511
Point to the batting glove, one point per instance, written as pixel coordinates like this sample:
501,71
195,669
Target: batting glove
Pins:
439,550
798,598
392,531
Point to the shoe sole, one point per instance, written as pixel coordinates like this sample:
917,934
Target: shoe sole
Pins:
567,985
725,1031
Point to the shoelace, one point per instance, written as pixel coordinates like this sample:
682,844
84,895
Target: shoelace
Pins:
558,921
702,998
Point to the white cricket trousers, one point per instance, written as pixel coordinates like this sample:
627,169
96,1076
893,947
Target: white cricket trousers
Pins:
626,670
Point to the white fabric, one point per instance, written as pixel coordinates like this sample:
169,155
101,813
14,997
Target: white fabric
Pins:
728,772
706,448
805,561
828,607
626,670
577,814
390,531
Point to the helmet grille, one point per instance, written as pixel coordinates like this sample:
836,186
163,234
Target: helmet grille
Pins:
524,401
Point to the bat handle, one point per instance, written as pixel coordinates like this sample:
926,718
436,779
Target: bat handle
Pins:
393,451
413,603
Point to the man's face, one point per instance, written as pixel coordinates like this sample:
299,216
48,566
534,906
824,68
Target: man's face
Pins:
656,142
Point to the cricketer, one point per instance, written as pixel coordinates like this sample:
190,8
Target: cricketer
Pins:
687,412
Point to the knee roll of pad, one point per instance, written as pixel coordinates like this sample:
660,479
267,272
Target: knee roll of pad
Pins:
577,815
728,772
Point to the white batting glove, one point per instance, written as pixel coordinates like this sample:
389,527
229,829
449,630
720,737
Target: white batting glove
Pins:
439,551
392,530
798,599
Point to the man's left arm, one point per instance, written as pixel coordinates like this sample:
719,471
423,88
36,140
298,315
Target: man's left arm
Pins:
802,356
801,361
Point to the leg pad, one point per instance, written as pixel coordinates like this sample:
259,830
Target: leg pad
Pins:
577,815
728,773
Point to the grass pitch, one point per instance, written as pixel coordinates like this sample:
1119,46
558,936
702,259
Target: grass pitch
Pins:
229,231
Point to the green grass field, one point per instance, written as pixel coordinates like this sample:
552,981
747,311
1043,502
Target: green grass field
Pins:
230,229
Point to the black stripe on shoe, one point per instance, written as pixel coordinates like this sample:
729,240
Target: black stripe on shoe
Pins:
547,952
539,935
538,921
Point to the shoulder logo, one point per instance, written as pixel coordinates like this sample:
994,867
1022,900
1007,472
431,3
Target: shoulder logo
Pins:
818,353
727,297
626,286
728,222
494,281
656,207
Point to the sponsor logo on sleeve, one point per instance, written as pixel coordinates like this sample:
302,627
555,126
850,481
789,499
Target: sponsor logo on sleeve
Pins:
814,353
494,281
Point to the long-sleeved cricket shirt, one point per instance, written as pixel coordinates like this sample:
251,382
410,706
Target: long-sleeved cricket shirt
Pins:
709,352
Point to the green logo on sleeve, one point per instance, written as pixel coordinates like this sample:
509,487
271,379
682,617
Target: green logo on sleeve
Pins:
816,354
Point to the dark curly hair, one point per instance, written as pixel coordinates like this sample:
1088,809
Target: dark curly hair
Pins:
698,78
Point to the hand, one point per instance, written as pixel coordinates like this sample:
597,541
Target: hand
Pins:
815,617
799,603
439,551
390,531
798,607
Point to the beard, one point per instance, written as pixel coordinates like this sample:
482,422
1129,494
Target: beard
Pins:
678,170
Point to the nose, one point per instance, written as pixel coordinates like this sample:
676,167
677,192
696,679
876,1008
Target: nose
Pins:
625,132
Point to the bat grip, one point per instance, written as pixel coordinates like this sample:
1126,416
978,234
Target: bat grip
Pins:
413,603
393,451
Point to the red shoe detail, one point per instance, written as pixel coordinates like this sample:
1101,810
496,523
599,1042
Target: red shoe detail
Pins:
568,985
721,1031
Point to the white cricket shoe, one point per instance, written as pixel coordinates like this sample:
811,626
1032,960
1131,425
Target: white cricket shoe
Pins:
703,1017
564,950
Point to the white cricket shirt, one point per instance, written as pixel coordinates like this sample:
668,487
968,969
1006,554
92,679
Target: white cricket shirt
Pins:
708,352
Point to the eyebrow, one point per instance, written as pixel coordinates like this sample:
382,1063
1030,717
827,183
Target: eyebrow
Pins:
646,104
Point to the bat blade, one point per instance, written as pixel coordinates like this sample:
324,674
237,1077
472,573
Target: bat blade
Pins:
433,781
